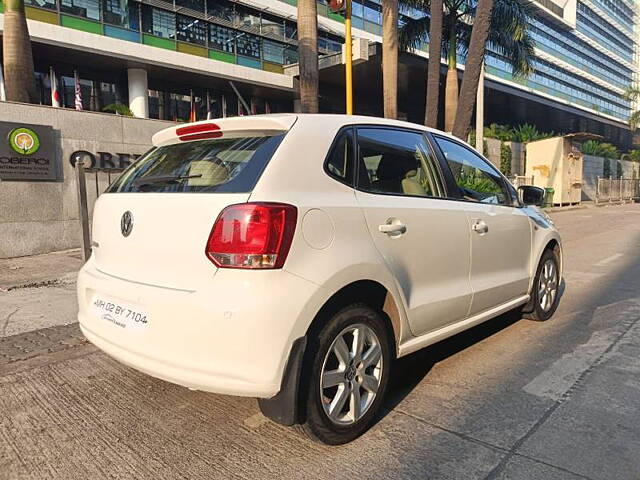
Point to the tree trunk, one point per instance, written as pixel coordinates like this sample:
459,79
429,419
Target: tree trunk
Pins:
473,66
433,73
451,85
19,76
390,57
308,55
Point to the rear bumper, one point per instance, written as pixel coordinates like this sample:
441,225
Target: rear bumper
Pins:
232,336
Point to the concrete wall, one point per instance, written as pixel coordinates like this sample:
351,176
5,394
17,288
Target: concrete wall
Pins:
40,217
593,167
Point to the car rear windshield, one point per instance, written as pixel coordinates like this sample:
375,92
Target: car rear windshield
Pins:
231,164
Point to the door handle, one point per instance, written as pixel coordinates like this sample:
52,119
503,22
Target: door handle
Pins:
393,227
480,227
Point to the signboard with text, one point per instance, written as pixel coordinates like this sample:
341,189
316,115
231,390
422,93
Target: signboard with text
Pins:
28,153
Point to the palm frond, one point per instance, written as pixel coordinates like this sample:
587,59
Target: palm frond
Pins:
632,93
419,4
509,34
414,33
634,120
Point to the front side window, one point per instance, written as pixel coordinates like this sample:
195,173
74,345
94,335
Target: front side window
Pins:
340,163
397,162
477,180
222,165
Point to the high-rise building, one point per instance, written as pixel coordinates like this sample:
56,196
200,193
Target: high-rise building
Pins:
234,53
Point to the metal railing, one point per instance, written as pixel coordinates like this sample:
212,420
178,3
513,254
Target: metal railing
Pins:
519,180
100,181
617,190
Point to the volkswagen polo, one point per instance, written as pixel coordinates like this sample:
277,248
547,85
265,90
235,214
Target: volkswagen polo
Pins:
293,258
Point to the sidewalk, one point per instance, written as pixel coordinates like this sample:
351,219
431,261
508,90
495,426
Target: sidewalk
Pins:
40,270
38,292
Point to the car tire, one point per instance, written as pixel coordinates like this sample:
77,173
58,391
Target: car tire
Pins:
545,294
331,411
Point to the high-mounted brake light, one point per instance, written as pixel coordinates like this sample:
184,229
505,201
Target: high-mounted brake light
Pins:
198,132
252,236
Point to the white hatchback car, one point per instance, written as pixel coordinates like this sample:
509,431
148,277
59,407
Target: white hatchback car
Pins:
293,258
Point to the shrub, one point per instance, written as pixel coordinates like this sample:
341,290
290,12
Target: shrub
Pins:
505,159
606,168
528,133
501,132
119,109
619,170
597,149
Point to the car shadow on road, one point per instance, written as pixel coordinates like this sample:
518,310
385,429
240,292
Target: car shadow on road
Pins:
409,371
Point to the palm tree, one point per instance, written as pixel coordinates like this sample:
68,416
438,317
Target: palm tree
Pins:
308,55
632,94
508,35
19,76
433,69
472,68
390,57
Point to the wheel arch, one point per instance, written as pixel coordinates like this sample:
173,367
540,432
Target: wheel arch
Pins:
371,293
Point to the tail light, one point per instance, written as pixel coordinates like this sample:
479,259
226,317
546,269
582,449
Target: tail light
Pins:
252,236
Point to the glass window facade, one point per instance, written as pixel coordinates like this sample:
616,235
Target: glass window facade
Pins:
197,5
48,4
222,38
82,8
122,13
273,51
191,30
158,22
248,45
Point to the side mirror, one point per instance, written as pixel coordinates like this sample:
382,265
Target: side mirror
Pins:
530,195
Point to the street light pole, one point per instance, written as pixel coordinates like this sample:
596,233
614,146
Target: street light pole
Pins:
349,59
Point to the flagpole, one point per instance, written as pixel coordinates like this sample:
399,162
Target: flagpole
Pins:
3,95
55,94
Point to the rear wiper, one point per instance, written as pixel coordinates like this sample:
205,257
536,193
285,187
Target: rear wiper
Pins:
163,179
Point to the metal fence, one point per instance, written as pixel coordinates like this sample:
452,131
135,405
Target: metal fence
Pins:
617,190
519,180
95,180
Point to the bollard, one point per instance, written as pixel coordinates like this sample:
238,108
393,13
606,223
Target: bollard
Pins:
83,212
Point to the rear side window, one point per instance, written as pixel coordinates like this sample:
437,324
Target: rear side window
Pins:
232,164
397,162
340,163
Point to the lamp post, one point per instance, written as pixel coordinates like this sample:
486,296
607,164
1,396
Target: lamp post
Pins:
345,6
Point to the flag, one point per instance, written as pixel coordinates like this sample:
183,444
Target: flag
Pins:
224,106
3,96
240,111
252,106
193,116
209,114
78,92
55,93
267,107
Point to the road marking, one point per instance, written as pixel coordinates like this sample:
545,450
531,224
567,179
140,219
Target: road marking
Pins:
606,261
556,380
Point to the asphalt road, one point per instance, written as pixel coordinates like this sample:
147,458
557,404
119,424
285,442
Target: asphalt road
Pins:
508,399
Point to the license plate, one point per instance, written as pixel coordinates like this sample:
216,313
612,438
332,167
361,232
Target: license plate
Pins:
125,315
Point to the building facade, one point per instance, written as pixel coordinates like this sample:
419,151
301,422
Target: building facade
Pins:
232,57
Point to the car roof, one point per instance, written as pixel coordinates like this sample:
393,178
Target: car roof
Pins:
282,122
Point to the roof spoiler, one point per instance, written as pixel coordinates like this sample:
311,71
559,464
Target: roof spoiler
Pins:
217,127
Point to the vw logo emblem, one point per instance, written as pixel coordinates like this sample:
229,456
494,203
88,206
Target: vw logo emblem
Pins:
126,223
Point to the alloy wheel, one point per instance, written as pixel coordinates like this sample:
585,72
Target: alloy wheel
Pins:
548,285
351,374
